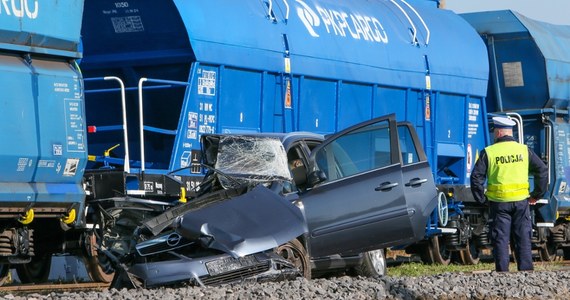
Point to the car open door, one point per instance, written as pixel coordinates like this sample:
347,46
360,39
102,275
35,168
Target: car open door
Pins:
419,187
360,205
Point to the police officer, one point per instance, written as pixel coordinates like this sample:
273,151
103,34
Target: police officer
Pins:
506,165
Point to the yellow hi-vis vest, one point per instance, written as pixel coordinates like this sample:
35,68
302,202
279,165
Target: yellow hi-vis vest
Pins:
507,172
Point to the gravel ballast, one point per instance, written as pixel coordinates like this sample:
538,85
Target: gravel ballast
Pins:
490,285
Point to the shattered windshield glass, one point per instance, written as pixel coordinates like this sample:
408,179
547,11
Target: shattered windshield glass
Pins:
252,158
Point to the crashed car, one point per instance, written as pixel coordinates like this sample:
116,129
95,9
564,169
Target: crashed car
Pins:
277,206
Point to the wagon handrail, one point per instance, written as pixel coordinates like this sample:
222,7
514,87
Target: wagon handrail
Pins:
414,30
270,10
122,89
548,128
288,9
141,126
141,113
126,167
421,19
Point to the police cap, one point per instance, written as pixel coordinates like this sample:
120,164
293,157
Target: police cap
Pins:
503,122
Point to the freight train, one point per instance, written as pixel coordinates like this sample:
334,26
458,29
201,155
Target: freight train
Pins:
155,76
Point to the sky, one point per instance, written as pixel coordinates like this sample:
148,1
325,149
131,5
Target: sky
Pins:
551,11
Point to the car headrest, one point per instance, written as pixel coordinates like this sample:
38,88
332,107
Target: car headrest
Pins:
299,175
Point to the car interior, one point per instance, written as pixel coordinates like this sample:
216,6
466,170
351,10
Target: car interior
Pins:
298,169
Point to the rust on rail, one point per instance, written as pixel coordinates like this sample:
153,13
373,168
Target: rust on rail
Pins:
53,287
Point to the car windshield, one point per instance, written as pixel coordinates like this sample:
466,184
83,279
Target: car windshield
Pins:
252,158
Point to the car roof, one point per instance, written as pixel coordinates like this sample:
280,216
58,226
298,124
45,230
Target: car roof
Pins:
285,138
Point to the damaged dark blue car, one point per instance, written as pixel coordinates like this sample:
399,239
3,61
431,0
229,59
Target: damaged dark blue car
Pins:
278,206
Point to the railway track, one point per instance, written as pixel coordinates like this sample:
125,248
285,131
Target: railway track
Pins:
52,287
560,265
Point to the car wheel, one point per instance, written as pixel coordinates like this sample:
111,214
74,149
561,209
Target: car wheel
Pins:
373,264
295,252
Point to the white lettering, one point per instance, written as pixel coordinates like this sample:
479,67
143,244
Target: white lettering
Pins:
6,8
121,4
308,17
327,20
354,34
359,27
30,14
20,8
379,30
18,13
360,22
341,22
368,29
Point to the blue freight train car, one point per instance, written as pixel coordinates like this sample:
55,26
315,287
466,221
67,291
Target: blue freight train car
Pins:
532,85
160,75
44,149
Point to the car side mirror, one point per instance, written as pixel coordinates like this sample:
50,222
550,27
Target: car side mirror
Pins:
316,177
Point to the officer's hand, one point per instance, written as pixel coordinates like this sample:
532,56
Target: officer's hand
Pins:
485,201
532,201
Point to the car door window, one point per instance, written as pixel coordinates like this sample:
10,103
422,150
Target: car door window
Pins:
407,146
362,150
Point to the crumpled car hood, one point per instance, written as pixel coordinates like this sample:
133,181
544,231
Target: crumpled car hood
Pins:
238,225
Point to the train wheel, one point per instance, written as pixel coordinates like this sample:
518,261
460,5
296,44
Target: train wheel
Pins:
566,252
547,252
470,255
4,273
435,252
373,264
98,266
95,270
296,253
36,271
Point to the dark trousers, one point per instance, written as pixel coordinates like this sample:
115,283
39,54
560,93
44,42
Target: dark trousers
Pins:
511,218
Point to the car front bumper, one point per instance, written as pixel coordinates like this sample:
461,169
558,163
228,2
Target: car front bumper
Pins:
209,270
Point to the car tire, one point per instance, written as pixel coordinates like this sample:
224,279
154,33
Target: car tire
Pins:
373,264
296,253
